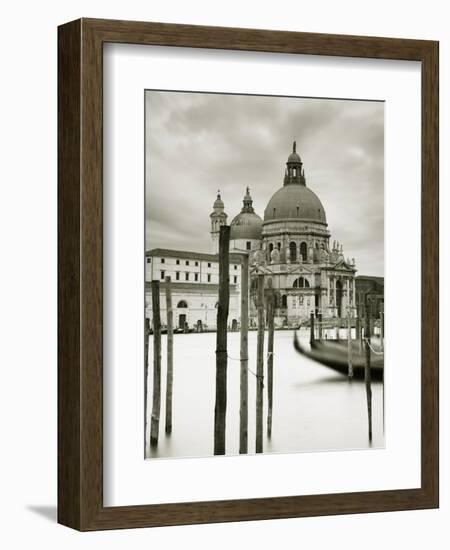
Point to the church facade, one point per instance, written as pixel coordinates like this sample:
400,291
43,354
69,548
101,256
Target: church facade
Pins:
291,246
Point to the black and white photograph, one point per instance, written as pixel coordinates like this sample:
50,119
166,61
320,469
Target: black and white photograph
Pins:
218,219
264,274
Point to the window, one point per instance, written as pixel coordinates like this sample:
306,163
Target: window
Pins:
209,278
182,303
235,279
186,276
301,282
276,300
178,262
293,251
304,251
235,267
249,245
163,274
209,264
187,262
284,301
196,276
163,261
149,260
279,246
177,275
196,264
270,247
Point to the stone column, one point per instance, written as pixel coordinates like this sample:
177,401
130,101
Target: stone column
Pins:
335,296
348,295
354,293
328,291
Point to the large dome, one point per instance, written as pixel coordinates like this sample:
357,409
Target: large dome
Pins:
295,201
246,225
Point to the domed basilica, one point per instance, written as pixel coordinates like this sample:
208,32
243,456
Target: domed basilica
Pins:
291,246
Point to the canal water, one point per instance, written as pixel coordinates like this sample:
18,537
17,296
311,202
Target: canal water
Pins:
314,408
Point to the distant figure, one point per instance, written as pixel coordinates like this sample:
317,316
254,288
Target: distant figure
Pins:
275,256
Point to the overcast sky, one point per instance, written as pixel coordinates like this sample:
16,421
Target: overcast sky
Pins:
198,143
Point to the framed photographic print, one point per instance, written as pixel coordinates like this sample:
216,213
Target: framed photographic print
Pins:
248,274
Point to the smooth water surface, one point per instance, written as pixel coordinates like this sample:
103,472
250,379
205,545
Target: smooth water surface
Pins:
314,408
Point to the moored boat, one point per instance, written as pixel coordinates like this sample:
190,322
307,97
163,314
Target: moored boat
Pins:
334,354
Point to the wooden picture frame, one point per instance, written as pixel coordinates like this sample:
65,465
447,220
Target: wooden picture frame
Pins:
80,272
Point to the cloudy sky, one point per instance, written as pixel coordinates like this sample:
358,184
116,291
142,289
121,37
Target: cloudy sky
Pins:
198,143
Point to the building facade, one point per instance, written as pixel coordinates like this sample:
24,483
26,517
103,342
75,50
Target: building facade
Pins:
370,291
291,246
308,273
194,280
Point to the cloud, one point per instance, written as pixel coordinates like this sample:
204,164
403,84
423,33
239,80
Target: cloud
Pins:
197,143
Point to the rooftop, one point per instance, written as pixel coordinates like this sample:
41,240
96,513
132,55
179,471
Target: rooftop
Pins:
186,287
189,255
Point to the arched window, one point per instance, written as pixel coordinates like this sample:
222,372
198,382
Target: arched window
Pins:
182,303
301,282
284,301
270,247
293,251
304,251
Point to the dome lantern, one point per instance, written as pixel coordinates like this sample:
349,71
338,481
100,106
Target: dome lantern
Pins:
294,168
295,201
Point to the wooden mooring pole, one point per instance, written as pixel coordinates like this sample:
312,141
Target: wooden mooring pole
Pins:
311,328
361,330
358,328
156,407
382,330
243,409
320,329
169,384
146,337
349,344
221,341
270,338
367,375
260,366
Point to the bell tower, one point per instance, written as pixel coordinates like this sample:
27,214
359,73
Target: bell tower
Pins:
218,218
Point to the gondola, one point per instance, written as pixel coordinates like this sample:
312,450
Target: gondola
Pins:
334,354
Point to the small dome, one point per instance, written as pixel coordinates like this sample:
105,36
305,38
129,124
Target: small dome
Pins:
246,225
294,157
218,203
295,202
